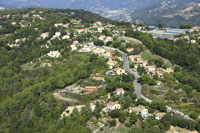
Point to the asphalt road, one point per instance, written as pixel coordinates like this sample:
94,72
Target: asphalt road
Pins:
137,86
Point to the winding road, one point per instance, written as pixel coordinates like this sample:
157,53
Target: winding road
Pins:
138,86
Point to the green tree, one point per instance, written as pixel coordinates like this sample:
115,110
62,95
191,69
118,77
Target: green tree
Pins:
152,82
133,118
112,123
98,43
194,115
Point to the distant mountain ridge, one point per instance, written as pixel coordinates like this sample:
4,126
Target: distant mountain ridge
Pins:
151,12
115,9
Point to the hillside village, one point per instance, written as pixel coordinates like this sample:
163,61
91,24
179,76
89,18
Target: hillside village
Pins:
105,88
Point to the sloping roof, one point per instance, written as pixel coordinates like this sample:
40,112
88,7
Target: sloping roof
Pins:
91,87
160,114
114,57
112,103
120,89
111,51
116,69
137,109
98,78
111,62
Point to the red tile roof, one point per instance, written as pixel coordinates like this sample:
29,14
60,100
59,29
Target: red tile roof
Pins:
112,103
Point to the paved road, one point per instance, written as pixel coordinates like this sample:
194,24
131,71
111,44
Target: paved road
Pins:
138,86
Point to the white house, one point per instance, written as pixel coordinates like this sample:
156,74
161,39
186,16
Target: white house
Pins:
65,37
57,35
58,24
150,68
140,111
135,57
111,64
100,29
193,41
54,54
113,106
44,35
129,49
119,92
119,71
13,23
73,47
140,63
85,49
158,116
92,106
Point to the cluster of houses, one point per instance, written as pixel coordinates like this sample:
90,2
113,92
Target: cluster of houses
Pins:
140,110
151,70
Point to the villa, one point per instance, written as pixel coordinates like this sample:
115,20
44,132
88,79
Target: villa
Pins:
113,106
119,71
140,110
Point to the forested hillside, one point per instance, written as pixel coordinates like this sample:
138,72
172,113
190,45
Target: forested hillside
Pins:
28,78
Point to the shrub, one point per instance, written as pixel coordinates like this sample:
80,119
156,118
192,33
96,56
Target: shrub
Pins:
112,123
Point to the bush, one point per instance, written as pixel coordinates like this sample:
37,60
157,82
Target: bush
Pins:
159,105
184,100
152,82
112,123
166,125
155,92
194,115
141,102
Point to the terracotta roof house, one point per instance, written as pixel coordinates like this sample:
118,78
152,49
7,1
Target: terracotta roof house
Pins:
91,88
99,78
113,106
111,51
114,57
119,92
129,49
140,110
158,116
135,57
111,64
119,71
